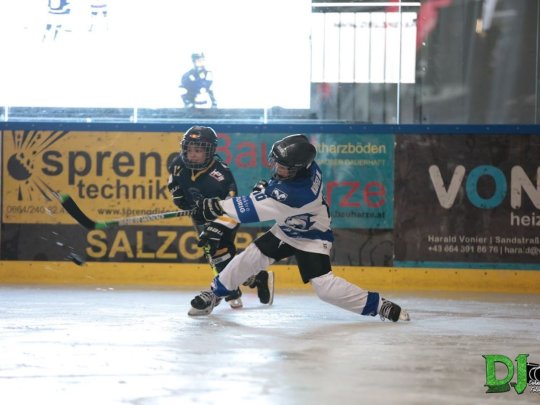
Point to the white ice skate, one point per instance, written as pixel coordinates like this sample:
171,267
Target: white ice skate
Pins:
204,303
392,311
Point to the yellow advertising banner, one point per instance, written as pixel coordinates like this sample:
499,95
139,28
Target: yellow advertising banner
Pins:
110,175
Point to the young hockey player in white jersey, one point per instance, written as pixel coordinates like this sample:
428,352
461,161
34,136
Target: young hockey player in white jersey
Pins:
294,199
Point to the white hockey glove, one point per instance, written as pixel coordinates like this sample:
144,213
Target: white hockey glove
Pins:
260,185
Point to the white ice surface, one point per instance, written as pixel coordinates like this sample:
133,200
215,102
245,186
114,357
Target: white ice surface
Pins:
105,346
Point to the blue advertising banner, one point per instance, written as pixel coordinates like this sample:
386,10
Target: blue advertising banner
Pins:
359,179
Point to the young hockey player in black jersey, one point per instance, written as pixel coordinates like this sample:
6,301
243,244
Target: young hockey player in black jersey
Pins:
197,173
294,199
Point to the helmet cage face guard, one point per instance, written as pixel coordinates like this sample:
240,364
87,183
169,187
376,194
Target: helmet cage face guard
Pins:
199,137
291,171
209,151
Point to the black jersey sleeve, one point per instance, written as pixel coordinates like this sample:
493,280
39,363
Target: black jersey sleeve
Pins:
174,186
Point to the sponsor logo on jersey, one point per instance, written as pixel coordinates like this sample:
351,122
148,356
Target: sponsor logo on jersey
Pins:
242,204
279,195
217,175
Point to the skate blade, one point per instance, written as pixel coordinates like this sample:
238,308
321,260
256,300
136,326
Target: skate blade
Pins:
271,287
199,312
236,303
404,315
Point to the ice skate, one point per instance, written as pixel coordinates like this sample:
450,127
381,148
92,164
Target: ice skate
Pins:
264,282
234,300
392,311
204,303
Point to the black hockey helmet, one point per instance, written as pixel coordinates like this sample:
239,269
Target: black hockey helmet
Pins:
295,152
204,137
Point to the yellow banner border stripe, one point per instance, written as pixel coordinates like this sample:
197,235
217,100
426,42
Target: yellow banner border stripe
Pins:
200,275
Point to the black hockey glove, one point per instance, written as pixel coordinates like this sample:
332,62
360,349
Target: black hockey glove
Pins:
178,197
260,186
210,237
207,209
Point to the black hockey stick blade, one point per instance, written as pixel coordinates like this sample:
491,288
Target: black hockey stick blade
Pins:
73,209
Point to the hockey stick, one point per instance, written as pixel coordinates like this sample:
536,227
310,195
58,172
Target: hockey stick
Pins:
73,209
206,250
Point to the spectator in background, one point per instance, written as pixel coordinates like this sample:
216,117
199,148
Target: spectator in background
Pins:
59,12
197,85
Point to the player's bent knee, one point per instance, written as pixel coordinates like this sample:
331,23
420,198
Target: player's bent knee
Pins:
257,259
323,286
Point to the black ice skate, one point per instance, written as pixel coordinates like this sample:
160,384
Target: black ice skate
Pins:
392,311
204,303
234,300
264,282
